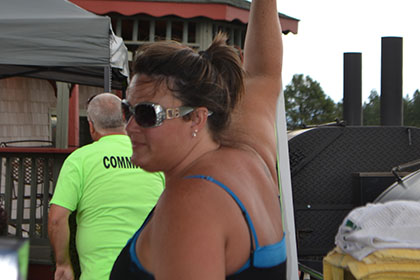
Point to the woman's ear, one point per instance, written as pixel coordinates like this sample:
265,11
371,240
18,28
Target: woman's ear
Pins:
199,118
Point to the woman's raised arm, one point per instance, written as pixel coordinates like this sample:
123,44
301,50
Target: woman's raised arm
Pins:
263,65
263,44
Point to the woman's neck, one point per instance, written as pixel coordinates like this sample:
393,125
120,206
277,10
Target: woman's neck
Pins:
202,148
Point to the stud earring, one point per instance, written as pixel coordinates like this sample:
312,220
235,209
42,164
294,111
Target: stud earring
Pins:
195,133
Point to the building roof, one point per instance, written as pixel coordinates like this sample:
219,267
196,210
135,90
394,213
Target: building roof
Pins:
224,10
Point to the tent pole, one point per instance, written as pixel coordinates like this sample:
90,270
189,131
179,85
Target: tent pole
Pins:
286,193
63,92
107,79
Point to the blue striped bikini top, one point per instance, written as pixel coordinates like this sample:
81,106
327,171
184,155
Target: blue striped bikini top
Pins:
266,262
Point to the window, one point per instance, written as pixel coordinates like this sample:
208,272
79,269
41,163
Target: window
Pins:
127,29
192,32
160,30
144,30
177,30
84,132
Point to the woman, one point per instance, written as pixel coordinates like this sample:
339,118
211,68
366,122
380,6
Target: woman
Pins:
209,126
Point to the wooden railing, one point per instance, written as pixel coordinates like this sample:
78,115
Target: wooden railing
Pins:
27,182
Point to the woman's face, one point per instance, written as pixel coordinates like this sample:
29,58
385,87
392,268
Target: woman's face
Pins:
157,148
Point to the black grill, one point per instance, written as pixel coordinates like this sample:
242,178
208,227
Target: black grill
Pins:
324,163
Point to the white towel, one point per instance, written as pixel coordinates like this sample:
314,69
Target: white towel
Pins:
393,224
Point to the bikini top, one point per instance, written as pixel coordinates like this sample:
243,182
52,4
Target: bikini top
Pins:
266,262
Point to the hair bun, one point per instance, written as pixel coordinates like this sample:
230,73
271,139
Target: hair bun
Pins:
204,54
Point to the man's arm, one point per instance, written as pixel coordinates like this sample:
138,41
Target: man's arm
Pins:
59,235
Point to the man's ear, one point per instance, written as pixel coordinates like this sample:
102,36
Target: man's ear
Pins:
91,129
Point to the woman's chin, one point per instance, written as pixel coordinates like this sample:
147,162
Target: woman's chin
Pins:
136,161
141,163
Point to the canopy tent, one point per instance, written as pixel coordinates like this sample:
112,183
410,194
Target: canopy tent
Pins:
57,40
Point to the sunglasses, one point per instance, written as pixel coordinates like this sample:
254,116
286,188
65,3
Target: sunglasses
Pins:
149,114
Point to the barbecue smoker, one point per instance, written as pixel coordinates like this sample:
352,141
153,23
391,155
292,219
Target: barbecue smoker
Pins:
336,168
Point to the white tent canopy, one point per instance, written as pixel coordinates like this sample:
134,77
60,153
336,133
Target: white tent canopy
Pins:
57,40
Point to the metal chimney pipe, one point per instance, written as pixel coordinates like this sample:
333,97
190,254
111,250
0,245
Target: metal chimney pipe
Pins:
352,100
391,81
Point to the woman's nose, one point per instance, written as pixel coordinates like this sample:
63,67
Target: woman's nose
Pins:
131,123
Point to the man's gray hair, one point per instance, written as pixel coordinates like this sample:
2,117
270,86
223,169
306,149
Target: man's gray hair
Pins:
104,111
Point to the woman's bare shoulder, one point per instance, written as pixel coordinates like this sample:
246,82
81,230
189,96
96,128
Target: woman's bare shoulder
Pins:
188,234
191,196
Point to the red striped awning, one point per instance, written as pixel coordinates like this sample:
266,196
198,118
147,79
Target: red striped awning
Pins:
214,11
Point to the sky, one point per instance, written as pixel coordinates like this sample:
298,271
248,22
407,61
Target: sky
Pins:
330,28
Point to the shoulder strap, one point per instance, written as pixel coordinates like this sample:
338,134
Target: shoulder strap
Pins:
248,220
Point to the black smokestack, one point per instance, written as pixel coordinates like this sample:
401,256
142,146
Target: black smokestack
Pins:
352,101
391,81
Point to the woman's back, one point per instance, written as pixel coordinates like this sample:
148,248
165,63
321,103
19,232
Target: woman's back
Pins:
250,179
202,208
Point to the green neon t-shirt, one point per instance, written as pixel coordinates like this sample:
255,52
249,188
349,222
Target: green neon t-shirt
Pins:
112,198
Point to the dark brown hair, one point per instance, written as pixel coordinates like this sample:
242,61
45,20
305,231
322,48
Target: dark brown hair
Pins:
212,78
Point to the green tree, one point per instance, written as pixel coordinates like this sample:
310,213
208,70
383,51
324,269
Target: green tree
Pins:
372,109
306,103
412,110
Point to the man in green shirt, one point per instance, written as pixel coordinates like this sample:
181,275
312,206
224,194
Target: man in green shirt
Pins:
111,195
